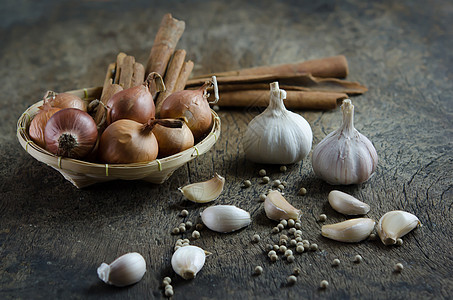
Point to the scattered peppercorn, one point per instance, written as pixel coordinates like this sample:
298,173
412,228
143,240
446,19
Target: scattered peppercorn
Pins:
276,183
302,191
336,262
306,243
196,234
284,223
274,257
296,272
256,238
322,218
258,270
283,168
288,253
272,252
300,249
399,267
262,197
290,258
324,284
284,183
291,223
283,242
283,237
262,172
166,280
313,247
372,237
291,279
266,179
280,226
184,213
281,187
292,230
169,291
276,247
182,228
188,224
358,259
275,230
247,183
298,225
175,230
282,249
293,243
399,241
199,226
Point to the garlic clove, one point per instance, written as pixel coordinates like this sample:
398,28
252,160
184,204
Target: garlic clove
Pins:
350,231
125,270
206,191
187,261
345,156
277,208
396,224
347,204
225,218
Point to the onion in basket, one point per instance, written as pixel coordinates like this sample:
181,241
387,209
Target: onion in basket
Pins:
38,124
173,140
135,103
64,100
126,141
70,132
192,106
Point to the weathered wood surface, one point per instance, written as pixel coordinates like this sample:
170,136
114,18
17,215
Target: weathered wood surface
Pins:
53,236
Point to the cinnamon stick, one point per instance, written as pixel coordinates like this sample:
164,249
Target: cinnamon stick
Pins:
335,66
186,70
139,74
301,82
127,71
119,61
294,99
167,37
171,77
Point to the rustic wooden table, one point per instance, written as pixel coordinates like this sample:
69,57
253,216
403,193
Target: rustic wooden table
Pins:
54,236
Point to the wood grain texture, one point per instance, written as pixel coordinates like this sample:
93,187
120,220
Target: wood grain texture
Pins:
53,236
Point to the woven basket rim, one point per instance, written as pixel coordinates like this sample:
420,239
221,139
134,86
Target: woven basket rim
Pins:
54,160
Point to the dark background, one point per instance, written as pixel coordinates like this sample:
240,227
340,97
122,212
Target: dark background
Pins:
53,236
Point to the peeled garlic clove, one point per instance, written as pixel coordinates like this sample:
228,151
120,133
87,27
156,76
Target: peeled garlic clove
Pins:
187,261
125,270
206,191
350,231
396,224
345,156
225,218
347,204
277,208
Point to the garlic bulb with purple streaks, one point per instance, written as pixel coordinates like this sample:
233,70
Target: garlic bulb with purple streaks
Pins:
345,156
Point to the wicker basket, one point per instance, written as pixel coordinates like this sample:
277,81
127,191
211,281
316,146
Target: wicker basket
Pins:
82,173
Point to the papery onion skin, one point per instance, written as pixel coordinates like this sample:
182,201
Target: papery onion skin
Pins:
127,141
173,140
135,103
38,124
70,132
65,100
191,106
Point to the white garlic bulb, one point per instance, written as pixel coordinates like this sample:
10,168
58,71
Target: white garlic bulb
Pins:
225,218
187,261
125,270
277,135
345,156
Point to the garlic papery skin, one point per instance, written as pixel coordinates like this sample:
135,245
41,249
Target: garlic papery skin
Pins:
206,191
278,208
187,261
277,135
345,156
347,204
396,224
349,231
225,218
125,270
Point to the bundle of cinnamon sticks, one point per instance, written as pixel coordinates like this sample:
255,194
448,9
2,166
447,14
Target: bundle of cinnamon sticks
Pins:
312,84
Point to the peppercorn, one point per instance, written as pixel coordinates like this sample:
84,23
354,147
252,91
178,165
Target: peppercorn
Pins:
324,284
184,213
262,172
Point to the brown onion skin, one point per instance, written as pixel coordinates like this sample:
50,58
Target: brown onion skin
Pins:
126,141
191,106
70,132
66,100
173,140
135,103
38,124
